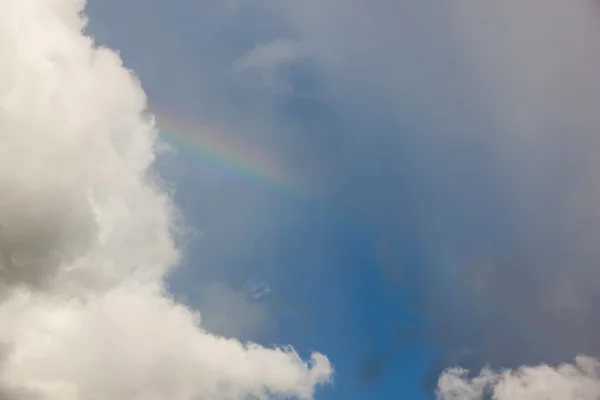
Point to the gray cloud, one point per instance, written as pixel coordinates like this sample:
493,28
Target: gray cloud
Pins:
473,126
493,136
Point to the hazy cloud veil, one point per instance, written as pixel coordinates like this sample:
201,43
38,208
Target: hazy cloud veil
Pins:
86,236
492,112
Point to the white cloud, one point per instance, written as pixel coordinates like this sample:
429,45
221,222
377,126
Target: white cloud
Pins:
86,236
266,64
270,55
577,381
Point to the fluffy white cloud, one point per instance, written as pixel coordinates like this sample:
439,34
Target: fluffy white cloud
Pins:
86,236
577,381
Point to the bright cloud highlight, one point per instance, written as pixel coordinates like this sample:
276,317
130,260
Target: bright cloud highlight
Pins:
87,236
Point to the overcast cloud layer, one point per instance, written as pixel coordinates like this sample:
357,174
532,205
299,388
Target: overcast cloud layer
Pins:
87,235
471,125
492,135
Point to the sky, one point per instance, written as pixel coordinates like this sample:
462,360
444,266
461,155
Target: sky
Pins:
234,199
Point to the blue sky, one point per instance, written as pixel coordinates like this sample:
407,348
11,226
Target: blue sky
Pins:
328,290
452,204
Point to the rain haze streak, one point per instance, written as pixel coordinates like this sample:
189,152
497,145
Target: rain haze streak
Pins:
523,261
87,235
494,125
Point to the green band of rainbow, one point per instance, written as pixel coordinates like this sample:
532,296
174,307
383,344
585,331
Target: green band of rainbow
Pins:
230,154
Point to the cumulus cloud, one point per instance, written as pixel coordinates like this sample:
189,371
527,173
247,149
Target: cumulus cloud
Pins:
577,381
87,235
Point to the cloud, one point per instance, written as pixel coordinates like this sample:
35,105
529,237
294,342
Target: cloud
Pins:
266,64
465,131
87,235
474,130
577,381
229,312
372,369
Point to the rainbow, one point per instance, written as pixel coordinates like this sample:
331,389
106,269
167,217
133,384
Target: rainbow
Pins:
229,153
